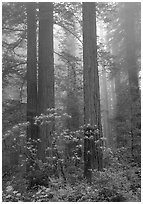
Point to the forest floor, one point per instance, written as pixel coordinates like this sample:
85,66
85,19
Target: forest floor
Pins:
117,183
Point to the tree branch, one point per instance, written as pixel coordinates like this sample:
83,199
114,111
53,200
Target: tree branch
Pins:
63,57
12,29
13,45
59,24
18,54
16,65
16,43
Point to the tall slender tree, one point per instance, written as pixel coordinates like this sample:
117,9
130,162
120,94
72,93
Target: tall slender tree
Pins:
45,74
105,110
130,9
72,99
92,157
31,71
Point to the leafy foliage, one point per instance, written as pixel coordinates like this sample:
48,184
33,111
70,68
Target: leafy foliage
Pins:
111,185
63,181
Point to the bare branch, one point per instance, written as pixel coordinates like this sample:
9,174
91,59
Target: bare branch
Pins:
16,65
12,29
63,57
16,43
13,45
4,72
61,25
18,54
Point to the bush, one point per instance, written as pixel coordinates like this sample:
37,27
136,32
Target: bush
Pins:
61,179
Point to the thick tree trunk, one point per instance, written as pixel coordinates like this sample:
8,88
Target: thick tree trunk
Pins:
46,75
31,72
92,156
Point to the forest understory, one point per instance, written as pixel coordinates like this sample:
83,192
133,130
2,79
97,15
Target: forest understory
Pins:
119,181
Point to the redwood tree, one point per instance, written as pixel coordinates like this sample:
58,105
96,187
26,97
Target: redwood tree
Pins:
92,153
45,74
31,71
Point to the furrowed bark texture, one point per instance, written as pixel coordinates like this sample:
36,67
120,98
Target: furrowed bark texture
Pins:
91,91
91,78
31,72
46,74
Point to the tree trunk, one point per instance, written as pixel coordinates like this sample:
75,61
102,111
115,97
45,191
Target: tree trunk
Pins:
31,72
72,100
131,62
112,115
106,122
46,75
109,84
117,84
92,156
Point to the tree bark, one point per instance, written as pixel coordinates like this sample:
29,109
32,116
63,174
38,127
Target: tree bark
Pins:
46,75
31,72
93,158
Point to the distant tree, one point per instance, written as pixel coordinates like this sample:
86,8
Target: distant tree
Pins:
124,44
45,74
92,157
105,109
13,63
72,99
130,12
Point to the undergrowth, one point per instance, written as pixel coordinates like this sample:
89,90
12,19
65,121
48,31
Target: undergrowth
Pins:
60,177
116,183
